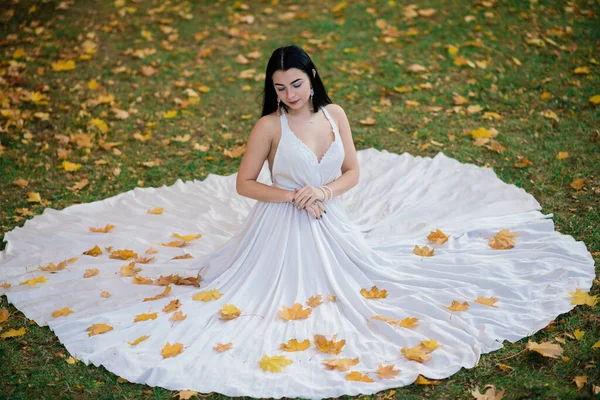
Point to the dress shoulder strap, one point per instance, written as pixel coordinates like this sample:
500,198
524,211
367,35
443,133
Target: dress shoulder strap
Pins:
328,116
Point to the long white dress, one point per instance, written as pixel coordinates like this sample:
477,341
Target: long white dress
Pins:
265,256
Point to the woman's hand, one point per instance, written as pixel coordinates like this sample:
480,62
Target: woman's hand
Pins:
310,198
307,195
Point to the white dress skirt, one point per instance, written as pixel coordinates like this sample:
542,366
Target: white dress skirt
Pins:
223,308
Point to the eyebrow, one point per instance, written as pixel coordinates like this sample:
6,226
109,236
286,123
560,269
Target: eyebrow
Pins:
291,83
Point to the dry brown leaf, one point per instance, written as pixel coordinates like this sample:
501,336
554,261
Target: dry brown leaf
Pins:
490,393
94,252
547,349
140,280
387,372
172,306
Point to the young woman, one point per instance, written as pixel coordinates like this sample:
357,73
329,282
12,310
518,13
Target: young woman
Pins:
315,284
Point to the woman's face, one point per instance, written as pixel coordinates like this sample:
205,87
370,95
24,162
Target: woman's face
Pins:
292,87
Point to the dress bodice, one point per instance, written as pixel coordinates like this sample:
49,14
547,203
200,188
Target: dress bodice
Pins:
296,165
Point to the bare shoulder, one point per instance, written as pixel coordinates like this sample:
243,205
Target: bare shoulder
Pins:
267,125
337,112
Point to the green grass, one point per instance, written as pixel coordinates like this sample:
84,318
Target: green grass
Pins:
34,366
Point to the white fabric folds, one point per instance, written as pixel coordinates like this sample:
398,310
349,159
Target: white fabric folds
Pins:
263,256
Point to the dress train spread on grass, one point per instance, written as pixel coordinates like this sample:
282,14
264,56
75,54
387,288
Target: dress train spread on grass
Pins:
154,302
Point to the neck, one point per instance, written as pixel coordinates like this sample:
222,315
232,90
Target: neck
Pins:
304,112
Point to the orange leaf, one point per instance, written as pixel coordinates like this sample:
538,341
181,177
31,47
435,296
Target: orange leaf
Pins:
329,346
387,372
487,301
175,243
172,306
208,295
187,238
145,317
223,347
91,272
437,236
341,364
140,280
94,252
374,293
458,306
160,295
139,340
503,240
106,229
409,322
123,254
171,350
296,312
229,311
314,301
357,376
424,251
129,269
178,316
63,311
578,183
97,329
156,211
294,345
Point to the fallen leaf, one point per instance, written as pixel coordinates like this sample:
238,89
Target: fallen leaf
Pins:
487,301
490,393
329,346
458,306
374,293
583,298
97,329
91,272
57,313
386,372
274,363
229,311
145,317
547,349
138,340
424,251
438,237
580,381
294,345
223,347
503,240
208,295
171,350
421,380
13,333
357,376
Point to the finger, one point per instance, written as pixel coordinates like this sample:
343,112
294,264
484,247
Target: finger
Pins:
307,200
299,193
313,211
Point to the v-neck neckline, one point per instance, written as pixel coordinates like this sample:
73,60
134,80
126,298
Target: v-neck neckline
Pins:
305,145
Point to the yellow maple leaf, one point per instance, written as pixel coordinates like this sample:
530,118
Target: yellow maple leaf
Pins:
172,306
91,272
294,345
596,345
387,372
4,314
123,254
100,124
157,210
69,166
106,229
94,252
141,280
329,346
504,240
207,295
314,301
175,243
431,344
97,329
419,353
145,317
458,306
13,333
583,298
129,269
374,293
229,311
187,238
424,251
138,340
34,197
547,349
178,316
274,363
341,364
171,114
578,333
295,312
438,237
34,281
484,133
357,376
409,322
171,350
57,313
487,301
595,99
223,347
421,380
63,65
160,295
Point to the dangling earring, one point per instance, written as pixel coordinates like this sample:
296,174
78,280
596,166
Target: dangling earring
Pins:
312,92
278,107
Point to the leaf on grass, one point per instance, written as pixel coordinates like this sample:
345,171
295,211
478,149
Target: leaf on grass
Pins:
547,349
13,333
490,393
583,298
421,380
580,381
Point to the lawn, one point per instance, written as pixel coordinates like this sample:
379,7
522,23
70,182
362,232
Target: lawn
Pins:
100,97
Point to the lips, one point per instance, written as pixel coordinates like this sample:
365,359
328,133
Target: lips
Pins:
294,102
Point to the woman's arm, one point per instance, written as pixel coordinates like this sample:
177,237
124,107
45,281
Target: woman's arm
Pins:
257,151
